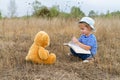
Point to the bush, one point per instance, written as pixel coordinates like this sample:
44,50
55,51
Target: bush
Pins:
76,12
42,12
0,15
54,11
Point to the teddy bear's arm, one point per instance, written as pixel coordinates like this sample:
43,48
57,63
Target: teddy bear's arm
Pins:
43,54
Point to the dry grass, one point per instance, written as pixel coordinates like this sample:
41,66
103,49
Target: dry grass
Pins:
16,36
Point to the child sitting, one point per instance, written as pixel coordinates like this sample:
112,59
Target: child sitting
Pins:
87,39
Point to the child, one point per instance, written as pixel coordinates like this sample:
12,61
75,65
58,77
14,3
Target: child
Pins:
87,40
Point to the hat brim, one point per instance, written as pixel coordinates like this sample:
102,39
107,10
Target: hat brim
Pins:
88,24
92,27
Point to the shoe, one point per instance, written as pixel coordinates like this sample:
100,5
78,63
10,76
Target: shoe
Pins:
85,61
88,60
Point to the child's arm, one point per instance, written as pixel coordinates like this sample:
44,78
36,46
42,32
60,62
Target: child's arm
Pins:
86,47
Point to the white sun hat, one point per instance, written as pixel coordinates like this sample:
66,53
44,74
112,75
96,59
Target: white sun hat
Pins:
89,21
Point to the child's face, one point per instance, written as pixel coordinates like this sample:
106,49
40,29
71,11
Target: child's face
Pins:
84,29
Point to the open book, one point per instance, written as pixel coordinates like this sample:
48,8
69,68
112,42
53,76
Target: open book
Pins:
77,48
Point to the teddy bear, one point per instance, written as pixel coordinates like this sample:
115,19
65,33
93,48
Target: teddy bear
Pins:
37,52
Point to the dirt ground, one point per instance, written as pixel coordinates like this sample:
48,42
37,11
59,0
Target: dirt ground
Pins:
65,68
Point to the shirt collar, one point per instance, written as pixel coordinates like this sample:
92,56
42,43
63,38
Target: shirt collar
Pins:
87,36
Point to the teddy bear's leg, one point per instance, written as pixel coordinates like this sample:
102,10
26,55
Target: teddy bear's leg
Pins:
51,59
33,54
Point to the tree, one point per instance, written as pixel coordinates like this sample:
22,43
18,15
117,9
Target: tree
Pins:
64,15
54,11
0,15
42,12
36,6
76,12
92,14
12,8
39,10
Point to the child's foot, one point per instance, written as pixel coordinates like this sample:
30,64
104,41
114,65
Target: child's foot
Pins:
90,60
85,61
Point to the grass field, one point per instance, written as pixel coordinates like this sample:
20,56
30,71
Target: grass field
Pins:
16,37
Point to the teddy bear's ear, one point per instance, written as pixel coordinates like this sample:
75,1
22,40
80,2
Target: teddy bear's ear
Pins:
42,39
46,40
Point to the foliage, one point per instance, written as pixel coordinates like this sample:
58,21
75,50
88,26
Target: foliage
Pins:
0,15
36,6
76,12
110,14
39,10
54,11
64,15
92,13
42,12
117,13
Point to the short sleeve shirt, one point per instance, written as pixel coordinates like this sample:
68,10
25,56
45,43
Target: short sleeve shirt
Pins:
90,41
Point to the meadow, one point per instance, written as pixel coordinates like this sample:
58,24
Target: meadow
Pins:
16,37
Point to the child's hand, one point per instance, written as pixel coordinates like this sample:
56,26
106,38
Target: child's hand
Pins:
75,40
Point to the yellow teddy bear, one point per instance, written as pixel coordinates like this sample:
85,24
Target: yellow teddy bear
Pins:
37,52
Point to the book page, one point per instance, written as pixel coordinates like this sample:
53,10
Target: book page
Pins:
78,49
